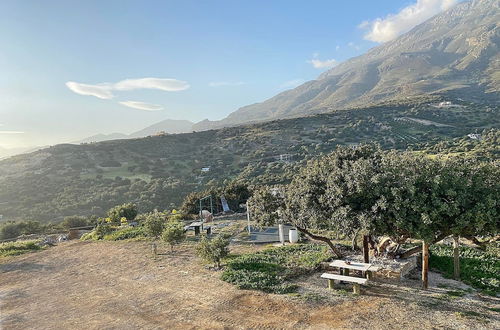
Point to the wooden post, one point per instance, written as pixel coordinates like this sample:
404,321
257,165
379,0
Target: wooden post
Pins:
366,255
356,288
153,249
331,284
456,258
346,271
425,265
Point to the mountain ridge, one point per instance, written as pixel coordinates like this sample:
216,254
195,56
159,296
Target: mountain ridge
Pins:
454,53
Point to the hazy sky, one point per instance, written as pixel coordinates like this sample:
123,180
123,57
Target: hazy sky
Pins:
71,69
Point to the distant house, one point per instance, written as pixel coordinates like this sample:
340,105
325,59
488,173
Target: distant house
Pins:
474,136
447,104
205,169
284,158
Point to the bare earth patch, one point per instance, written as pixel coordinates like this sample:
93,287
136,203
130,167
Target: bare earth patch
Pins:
119,285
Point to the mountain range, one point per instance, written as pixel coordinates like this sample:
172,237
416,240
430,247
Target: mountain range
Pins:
168,126
455,53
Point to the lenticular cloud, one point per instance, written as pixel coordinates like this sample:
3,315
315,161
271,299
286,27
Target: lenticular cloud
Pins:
142,105
105,90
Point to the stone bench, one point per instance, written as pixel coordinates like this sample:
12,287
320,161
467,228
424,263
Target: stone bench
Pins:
356,281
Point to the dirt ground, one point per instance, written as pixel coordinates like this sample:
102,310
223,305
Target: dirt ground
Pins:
119,285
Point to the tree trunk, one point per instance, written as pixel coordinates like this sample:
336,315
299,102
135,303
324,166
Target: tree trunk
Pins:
366,256
456,258
322,239
425,265
354,241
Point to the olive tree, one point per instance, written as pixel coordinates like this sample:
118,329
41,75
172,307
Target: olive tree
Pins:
128,211
173,233
213,250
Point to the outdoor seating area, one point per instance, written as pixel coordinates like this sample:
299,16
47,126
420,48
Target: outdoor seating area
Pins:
364,269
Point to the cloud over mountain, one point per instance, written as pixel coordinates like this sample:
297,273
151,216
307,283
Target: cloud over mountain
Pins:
393,25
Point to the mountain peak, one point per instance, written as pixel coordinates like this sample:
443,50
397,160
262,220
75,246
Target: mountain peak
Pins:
454,53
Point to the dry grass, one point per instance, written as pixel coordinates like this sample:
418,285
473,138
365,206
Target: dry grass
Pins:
119,285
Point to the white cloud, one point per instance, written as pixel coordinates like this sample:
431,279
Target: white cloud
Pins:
292,83
225,83
337,47
393,25
101,91
105,90
319,64
142,105
11,132
169,85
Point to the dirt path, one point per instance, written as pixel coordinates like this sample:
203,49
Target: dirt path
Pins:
118,285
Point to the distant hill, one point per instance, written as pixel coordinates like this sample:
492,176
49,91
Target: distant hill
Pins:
169,126
158,171
455,54
8,152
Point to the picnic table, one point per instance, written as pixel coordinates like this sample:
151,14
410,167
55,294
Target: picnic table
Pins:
198,227
344,267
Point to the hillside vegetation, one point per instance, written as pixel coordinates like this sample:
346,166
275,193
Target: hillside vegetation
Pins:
159,171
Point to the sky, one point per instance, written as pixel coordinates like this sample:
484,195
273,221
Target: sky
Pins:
72,69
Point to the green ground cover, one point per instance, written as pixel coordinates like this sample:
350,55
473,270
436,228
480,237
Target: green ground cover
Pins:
272,269
480,269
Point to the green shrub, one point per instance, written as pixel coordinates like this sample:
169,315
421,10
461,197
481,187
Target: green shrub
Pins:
173,233
74,221
256,280
126,233
90,236
128,211
478,268
103,230
213,250
16,248
154,223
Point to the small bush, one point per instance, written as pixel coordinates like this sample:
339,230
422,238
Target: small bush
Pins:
213,250
254,280
126,233
103,230
154,223
173,233
90,236
16,248
74,221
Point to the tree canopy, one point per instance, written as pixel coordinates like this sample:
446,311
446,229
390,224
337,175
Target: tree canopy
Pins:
400,194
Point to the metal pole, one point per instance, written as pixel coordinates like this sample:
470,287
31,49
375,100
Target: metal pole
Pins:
248,217
201,217
211,205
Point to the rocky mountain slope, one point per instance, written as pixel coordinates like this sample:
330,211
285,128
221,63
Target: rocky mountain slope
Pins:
455,53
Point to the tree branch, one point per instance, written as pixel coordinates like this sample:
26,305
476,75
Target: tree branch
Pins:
322,239
418,249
